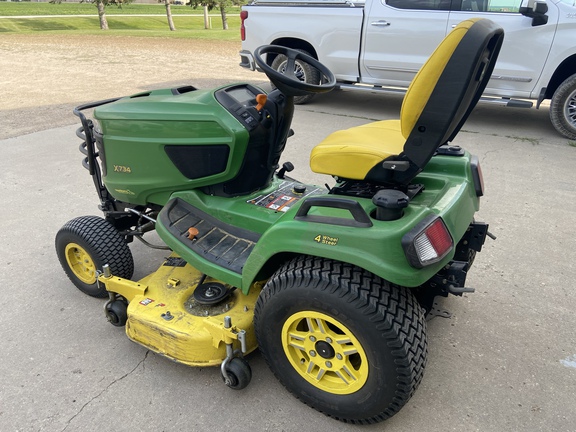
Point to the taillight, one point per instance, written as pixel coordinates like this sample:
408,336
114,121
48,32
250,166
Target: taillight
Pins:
477,176
427,243
243,17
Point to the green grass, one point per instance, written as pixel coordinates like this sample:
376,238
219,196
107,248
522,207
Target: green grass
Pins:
120,21
128,26
34,8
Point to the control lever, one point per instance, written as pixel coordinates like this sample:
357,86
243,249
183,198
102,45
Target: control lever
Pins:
286,166
260,101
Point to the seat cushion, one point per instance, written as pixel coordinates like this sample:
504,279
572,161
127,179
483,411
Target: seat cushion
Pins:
353,152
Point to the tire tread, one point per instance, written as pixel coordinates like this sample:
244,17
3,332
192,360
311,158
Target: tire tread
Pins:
105,243
393,310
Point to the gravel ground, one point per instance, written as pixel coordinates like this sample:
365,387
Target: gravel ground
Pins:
44,76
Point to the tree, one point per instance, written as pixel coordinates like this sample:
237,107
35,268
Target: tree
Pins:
167,4
220,4
101,6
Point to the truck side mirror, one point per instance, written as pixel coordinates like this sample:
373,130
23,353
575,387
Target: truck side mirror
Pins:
535,9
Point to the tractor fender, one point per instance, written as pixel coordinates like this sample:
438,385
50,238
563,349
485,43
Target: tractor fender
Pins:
377,248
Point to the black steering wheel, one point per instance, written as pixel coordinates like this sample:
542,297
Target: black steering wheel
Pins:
287,82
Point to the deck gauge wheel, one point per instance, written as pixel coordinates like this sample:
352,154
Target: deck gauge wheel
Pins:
238,373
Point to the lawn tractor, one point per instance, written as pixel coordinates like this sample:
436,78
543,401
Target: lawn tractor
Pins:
331,284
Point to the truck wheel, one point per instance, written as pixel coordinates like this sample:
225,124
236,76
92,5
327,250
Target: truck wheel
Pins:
563,108
303,71
341,339
84,245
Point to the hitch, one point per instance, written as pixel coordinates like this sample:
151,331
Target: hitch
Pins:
459,290
452,279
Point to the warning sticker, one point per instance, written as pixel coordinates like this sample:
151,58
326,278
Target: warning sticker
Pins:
288,194
146,301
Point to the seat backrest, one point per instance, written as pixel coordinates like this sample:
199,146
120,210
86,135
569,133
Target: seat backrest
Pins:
443,94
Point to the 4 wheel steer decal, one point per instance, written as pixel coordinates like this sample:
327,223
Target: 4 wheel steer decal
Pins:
327,240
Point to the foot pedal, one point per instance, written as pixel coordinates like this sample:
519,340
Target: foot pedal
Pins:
222,244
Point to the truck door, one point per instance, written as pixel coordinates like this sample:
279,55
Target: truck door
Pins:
398,37
525,47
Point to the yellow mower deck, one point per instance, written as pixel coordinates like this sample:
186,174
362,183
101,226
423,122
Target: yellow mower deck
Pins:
164,317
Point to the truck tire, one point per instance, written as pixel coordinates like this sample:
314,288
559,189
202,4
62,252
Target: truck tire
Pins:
341,339
84,245
303,71
563,108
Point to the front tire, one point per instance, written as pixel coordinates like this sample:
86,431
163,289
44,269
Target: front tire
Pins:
84,245
563,108
341,339
303,71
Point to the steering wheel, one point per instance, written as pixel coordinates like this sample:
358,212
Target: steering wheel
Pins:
287,82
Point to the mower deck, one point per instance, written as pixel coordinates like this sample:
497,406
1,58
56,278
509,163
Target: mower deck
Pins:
165,316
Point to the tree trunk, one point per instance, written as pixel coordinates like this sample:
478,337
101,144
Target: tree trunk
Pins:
206,21
224,17
102,15
169,15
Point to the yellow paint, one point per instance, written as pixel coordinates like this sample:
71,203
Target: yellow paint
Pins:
124,287
193,334
81,263
343,371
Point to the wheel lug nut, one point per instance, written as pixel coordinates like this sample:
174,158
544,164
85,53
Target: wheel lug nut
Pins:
312,338
312,353
339,356
329,340
329,364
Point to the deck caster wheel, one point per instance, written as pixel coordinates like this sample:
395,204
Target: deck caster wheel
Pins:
238,373
117,313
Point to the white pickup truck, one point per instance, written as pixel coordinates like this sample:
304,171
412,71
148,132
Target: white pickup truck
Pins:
381,44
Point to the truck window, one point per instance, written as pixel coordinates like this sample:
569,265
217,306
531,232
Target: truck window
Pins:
420,4
511,6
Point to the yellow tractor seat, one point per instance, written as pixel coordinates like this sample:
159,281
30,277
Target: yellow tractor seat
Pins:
435,106
351,153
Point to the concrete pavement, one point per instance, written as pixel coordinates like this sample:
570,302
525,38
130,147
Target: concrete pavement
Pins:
504,361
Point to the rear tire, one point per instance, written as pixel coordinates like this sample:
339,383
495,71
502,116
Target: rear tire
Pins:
84,245
563,108
341,339
303,71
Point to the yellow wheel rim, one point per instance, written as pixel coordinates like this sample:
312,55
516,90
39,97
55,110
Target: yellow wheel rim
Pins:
324,352
81,263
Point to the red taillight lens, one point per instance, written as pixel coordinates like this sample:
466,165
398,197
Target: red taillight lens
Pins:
243,17
437,236
427,243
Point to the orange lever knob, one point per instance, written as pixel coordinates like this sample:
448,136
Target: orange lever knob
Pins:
192,233
261,101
